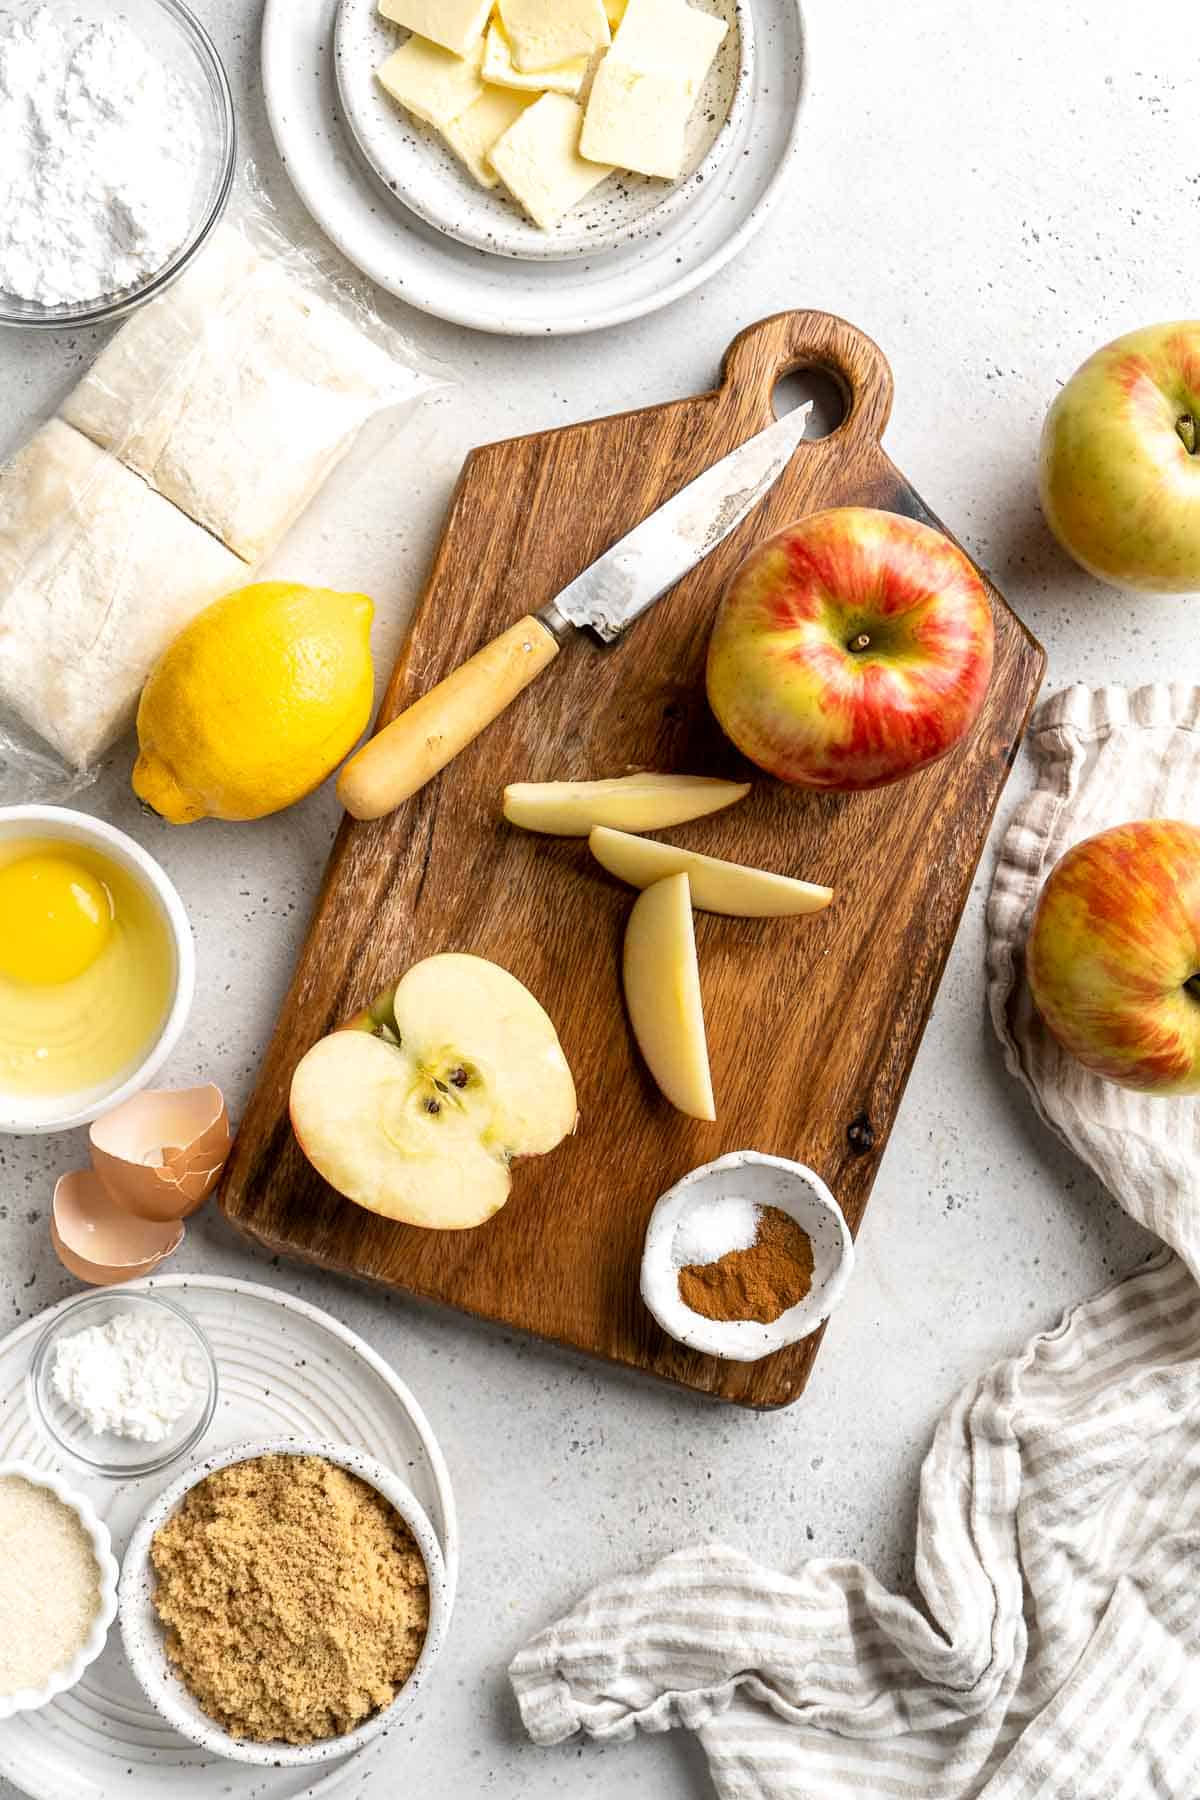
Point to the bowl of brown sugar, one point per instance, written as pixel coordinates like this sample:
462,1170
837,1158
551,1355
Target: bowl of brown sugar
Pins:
283,1602
745,1255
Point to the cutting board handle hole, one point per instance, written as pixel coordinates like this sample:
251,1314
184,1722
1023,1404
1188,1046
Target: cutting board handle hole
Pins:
810,355
829,402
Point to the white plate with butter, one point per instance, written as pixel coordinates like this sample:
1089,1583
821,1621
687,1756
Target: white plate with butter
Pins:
438,166
524,297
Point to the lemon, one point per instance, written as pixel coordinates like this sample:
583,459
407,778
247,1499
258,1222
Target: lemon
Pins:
254,703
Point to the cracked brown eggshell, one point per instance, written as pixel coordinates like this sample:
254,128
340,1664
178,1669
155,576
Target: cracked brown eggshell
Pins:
160,1154
98,1241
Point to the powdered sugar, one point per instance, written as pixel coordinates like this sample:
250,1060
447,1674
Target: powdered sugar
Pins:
99,149
135,1376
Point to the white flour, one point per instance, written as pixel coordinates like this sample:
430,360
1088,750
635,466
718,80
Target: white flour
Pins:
99,148
135,1375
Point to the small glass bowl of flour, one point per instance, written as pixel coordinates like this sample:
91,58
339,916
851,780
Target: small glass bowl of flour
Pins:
119,150
124,1382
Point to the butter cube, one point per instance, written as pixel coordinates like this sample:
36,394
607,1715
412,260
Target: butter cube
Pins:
545,33
454,24
670,37
637,119
539,163
473,134
499,68
432,83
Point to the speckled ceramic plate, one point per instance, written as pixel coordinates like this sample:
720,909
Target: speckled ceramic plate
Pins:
518,295
414,162
285,1368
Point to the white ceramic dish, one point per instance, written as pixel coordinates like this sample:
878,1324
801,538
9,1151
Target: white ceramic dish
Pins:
766,1181
284,1367
414,162
33,1699
22,1114
521,296
145,1640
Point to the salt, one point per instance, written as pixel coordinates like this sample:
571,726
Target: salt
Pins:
710,1229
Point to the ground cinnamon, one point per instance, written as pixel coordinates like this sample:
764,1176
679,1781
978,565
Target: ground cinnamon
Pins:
760,1283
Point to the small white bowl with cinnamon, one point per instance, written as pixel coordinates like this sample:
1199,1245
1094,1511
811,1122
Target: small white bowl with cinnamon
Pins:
745,1255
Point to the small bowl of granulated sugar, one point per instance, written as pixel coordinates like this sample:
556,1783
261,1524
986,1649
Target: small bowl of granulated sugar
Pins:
119,147
283,1603
745,1255
58,1587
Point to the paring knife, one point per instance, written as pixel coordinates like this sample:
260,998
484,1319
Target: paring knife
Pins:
611,592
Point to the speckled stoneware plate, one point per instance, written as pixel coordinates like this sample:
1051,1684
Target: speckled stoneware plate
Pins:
145,1640
525,296
415,163
285,1369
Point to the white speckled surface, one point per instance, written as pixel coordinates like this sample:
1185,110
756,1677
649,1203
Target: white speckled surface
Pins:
990,192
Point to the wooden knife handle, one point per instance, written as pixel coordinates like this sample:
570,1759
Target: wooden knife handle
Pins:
406,754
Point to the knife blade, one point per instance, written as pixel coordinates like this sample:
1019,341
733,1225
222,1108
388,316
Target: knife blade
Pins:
605,599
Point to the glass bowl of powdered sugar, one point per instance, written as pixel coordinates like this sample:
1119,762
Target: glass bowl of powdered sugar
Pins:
119,150
124,1383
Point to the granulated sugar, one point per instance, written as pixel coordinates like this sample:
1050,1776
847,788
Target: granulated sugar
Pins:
49,1585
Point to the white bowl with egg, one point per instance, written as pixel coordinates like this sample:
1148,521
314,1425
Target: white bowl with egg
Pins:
68,1023
28,1699
144,1636
698,1200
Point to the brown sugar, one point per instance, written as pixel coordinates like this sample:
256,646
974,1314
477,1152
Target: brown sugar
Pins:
295,1598
760,1283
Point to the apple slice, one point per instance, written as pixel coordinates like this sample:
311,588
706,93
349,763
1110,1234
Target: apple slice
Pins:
417,1109
717,887
662,992
633,802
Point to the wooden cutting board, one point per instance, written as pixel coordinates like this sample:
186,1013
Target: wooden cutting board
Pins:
813,1024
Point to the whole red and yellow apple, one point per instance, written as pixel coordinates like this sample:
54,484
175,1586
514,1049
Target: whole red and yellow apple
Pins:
1120,461
1114,955
850,649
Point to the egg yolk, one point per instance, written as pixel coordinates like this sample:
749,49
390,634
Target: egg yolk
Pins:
55,919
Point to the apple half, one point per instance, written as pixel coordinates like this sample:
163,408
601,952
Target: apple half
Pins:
662,993
717,887
631,802
418,1107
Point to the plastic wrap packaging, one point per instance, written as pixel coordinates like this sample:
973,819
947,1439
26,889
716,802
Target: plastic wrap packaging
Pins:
201,432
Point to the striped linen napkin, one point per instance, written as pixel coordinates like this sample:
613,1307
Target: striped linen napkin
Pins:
1055,1648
